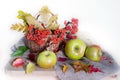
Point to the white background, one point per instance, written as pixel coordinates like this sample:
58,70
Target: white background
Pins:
99,18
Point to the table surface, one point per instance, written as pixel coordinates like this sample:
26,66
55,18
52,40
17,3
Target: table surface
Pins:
99,18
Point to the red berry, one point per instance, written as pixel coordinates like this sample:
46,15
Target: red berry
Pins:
65,22
63,31
27,37
74,21
30,27
68,28
74,27
69,36
73,31
76,30
74,24
40,42
42,24
74,37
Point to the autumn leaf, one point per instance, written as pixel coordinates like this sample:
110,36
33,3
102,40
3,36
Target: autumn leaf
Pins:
53,26
45,10
19,27
29,19
45,14
94,69
52,23
79,65
64,68
86,68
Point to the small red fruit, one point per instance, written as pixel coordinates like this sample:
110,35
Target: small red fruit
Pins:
18,62
68,28
74,37
65,22
75,21
69,36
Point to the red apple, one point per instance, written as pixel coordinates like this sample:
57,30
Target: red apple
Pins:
93,53
18,62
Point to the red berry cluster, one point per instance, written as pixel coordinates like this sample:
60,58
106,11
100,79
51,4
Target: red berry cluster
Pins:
39,36
72,28
58,35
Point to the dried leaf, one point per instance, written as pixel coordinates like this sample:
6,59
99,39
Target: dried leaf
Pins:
48,18
93,69
53,26
45,14
86,68
19,27
52,20
31,20
78,66
65,68
45,10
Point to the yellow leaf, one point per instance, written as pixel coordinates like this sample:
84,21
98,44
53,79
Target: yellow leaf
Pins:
45,10
53,26
79,65
52,20
65,68
19,27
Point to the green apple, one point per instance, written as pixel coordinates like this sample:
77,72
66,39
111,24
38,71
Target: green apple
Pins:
93,53
46,59
75,48
30,67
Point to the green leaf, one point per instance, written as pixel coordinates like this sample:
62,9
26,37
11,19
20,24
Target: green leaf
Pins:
20,51
22,15
23,48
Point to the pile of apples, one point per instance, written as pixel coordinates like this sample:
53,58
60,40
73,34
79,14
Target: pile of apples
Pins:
75,49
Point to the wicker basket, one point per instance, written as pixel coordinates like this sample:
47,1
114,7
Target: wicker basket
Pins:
36,48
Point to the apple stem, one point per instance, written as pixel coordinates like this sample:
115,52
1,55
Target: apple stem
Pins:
47,55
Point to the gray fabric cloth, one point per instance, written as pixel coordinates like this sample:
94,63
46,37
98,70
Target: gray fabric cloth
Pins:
104,65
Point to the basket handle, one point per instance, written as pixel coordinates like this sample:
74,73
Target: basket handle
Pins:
52,21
